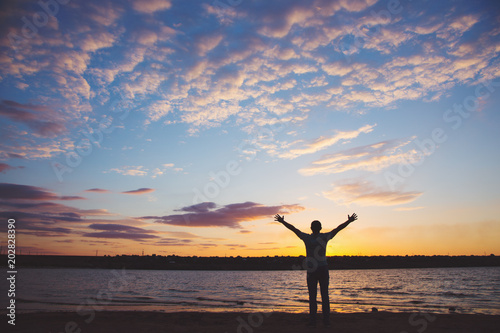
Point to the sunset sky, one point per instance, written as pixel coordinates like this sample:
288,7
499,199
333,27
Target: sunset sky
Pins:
183,127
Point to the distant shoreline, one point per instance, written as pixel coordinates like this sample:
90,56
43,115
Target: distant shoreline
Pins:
173,262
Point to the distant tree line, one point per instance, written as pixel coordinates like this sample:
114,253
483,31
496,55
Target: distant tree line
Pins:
173,262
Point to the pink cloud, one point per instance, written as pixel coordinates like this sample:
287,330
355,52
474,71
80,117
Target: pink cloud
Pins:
41,119
207,214
371,157
97,190
139,191
325,142
25,192
366,193
150,6
122,235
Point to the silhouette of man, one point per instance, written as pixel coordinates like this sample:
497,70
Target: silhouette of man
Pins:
317,267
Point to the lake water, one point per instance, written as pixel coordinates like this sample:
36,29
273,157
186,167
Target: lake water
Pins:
467,290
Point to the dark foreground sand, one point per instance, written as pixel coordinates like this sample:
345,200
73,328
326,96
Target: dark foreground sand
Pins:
194,322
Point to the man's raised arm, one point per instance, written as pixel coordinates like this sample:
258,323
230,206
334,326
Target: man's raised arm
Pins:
281,219
350,219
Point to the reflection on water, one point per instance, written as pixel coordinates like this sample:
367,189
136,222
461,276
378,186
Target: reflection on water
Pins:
466,290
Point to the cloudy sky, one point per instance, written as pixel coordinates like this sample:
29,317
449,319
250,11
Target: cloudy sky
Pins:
182,127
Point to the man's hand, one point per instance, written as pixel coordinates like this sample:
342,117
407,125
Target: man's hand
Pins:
279,218
352,218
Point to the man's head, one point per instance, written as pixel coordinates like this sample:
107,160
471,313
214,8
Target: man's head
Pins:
316,226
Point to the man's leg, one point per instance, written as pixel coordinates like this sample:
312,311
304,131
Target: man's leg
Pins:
324,279
312,287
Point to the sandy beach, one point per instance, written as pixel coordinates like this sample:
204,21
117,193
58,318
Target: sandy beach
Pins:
198,322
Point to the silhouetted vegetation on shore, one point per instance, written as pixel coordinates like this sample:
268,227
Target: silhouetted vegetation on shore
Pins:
173,262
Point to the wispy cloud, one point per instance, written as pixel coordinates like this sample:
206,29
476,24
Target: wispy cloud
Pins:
140,191
41,119
407,209
151,6
141,171
325,142
4,167
26,192
373,157
296,148
18,143
120,231
182,67
97,190
130,170
37,215
366,193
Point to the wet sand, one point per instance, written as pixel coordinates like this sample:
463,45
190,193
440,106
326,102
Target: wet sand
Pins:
228,322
